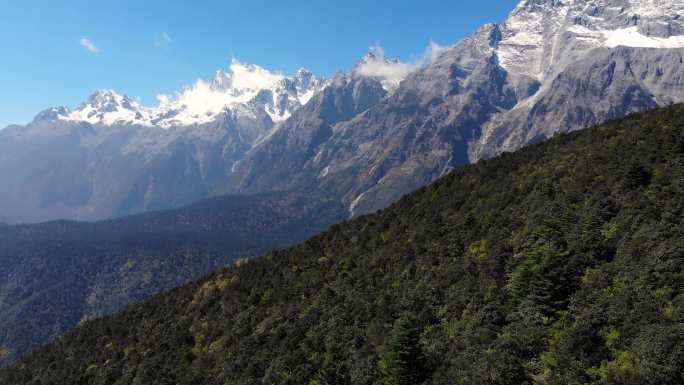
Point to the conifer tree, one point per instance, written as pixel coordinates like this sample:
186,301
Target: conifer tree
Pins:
402,363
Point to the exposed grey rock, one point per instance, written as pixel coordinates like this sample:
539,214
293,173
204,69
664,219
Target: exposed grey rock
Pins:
279,162
608,84
113,157
51,113
552,66
56,169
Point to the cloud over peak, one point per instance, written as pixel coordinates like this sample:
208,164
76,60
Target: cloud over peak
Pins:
375,65
393,71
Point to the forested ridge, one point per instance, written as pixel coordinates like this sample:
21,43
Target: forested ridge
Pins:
55,275
559,264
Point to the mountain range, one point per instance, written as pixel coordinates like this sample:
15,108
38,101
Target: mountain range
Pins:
506,86
559,264
368,135
287,156
112,156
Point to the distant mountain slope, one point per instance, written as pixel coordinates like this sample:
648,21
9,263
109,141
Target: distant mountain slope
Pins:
369,136
113,157
57,274
550,67
559,264
279,162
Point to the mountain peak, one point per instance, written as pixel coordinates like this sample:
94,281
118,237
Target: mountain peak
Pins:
304,76
52,113
221,80
368,57
303,72
390,72
106,106
252,77
246,88
538,30
641,7
375,53
109,100
104,93
242,88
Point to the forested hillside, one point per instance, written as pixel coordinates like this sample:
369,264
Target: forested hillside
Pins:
559,264
57,274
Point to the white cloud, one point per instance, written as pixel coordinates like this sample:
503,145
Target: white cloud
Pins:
89,45
431,53
392,72
163,39
201,102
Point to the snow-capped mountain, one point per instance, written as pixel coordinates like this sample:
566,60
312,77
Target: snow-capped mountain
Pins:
552,66
389,72
245,89
112,156
542,36
106,107
627,50
366,137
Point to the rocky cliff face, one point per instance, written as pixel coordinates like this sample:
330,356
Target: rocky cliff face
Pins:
57,170
608,84
112,156
282,160
366,137
552,66
593,61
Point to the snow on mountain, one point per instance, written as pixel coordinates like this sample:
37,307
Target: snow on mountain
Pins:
631,37
244,89
390,72
544,39
553,66
539,32
108,107
656,8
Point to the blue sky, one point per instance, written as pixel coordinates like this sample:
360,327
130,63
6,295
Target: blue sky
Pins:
144,48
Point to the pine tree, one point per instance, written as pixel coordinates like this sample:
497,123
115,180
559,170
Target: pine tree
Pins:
402,363
637,176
